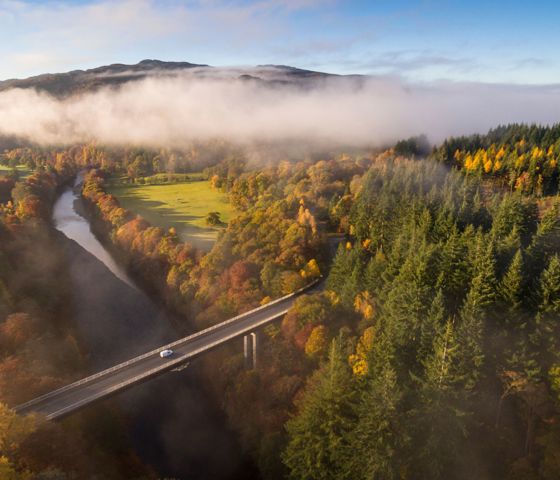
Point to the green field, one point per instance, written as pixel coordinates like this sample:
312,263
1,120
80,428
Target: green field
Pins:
22,169
180,205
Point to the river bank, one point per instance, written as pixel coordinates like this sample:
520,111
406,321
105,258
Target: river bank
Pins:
172,423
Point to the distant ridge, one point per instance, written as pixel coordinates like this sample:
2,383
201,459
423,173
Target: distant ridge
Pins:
299,72
82,81
77,81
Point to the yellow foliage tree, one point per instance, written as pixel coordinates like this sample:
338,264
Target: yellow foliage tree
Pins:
501,153
317,342
536,153
479,159
363,303
522,184
291,282
14,429
358,360
306,218
214,181
469,162
311,270
333,297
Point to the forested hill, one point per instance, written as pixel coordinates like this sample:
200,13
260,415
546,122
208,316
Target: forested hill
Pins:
80,81
522,157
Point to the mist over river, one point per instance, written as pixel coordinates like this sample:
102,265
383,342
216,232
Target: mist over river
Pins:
172,423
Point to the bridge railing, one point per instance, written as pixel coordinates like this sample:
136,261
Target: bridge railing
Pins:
164,347
166,366
113,388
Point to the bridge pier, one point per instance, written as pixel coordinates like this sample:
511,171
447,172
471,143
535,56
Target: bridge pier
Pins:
246,350
252,339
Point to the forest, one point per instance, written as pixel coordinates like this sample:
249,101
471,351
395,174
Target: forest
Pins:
431,353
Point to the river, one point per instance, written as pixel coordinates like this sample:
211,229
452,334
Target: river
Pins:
171,422
76,228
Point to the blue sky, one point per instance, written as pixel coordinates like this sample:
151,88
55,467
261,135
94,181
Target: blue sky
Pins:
481,41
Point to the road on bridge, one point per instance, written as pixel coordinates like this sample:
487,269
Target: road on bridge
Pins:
71,398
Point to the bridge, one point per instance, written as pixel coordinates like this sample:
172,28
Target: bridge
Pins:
77,395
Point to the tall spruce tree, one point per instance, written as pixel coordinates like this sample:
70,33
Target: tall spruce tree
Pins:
408,299
438,418
431,325
547,326
377,445
481,295
511,285
453,267
318,432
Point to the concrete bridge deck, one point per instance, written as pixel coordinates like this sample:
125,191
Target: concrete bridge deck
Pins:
77,395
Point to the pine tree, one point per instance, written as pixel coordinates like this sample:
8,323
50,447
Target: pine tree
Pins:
550,286
511,286
444,225
453,268
395,258
373,275
425,223
547,326
438,418
347,274
354,284
512,214
377,443
546,241
407,301
341,269
431,325
317,434
481,295
482,292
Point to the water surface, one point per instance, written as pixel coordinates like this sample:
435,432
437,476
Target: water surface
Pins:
77,228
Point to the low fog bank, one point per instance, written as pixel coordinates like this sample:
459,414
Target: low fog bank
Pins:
350,111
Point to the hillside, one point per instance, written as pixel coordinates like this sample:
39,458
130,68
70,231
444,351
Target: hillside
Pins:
77,81
114,75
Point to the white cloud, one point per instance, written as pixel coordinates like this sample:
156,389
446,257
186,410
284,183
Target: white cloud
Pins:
175,111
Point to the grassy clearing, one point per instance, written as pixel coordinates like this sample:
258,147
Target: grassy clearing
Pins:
165,178
183,206
22,169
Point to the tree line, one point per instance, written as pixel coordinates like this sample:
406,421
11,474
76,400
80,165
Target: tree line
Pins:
523,158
